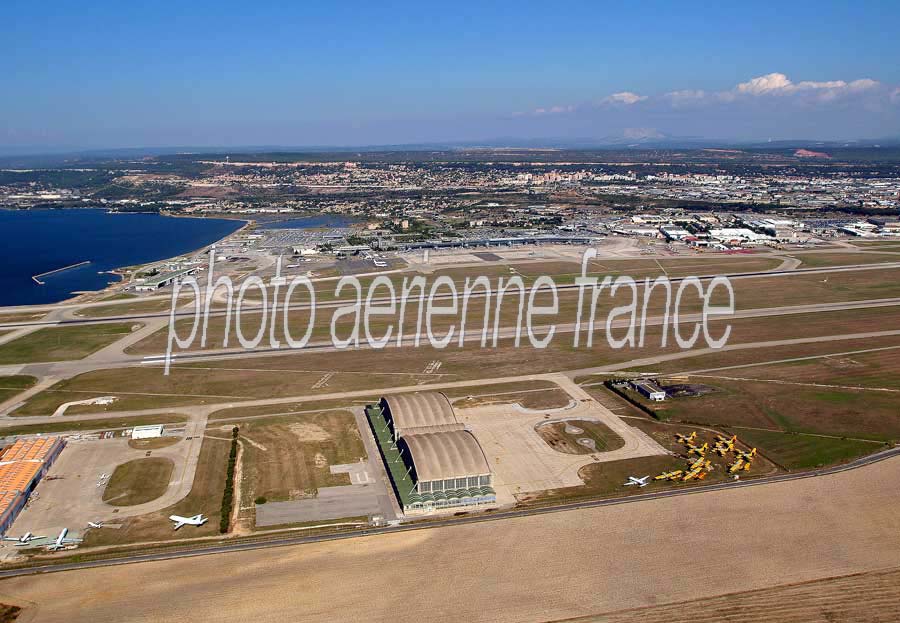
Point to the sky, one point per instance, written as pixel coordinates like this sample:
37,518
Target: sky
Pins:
106,74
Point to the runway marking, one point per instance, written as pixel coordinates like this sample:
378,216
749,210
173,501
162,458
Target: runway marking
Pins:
323,382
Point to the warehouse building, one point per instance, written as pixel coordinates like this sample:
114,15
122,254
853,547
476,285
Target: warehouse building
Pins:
22,465
649,389
147,432
433,460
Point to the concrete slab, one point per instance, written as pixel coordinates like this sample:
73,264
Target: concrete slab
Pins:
71,493
522,461
358,472
330,503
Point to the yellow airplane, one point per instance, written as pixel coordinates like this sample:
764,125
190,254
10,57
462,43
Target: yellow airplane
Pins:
698,450
669,475
737,466
747,456
685,439
697,473
723,445
700,462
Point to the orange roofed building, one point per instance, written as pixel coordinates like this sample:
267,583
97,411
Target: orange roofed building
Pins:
22,465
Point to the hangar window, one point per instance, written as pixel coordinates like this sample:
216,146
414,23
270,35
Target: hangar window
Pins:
449,484
460,483
425,487
438,485
485,480
473,481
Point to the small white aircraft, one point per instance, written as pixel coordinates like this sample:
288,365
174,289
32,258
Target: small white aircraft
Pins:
62,540
640,482
95,524
25,539
196,520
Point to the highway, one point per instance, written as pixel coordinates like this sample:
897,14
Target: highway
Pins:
188,552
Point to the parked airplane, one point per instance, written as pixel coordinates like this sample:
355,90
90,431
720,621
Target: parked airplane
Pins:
698,450
747,456
724,445
641,482
669,475
95,524
25,539
196,520
685,438
62,540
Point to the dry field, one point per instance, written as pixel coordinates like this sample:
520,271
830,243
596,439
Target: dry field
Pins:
547,567
872,597
349,370
290,459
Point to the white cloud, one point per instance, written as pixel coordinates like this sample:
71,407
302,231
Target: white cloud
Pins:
769,83
805,94
624,97
780,84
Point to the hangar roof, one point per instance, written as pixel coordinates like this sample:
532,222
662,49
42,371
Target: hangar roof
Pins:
450,454
422,410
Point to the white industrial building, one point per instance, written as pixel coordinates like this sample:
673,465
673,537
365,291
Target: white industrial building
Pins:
147,432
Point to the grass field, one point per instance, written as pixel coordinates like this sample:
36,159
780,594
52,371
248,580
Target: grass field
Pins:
13,385
557,437
154,443
876,370
205,497
62,343
138,481
818,260
799,451
741,404
291,459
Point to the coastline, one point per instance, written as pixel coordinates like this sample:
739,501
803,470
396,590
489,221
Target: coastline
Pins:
120,272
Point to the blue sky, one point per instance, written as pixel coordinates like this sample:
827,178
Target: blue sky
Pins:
114,74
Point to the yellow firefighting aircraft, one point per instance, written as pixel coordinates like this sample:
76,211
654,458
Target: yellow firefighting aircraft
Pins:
697,473
673,475
685,439
724,445
747,456
698,450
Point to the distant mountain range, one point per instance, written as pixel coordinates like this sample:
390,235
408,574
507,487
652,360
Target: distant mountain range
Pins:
635,138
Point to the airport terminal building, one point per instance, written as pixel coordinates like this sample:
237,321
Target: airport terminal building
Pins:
434,461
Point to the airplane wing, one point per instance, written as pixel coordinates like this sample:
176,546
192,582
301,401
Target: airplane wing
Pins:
178,524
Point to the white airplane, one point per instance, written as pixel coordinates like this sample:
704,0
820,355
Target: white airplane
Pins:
25,539
641,482
196,520
95,524
62,540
